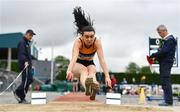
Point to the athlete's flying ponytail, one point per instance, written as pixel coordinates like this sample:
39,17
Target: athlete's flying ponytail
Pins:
82,22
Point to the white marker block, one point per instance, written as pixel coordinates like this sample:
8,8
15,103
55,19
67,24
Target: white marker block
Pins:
38,98
113,98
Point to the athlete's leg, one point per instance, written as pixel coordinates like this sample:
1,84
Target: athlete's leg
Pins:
94,84
81,72
92,72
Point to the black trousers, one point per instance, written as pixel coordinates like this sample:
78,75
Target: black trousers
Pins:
27,79
165,77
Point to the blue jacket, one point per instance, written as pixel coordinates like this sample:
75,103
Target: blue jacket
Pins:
24,53
167,52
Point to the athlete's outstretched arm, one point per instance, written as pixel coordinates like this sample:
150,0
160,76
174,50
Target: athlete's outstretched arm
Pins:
75,52
103,62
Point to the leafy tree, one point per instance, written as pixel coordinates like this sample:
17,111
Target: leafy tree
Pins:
145,70
61,67
132,68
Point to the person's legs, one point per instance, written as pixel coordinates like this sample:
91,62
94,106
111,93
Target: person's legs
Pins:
92,73
81,71
87,74
76,86
89,80
29,80
167,90
166,84
165,70
94,84
20,90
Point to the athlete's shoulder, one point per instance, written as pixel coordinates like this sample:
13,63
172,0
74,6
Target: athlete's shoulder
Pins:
77,41
98,40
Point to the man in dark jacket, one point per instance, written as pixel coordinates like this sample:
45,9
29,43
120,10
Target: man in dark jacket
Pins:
165,57
24,59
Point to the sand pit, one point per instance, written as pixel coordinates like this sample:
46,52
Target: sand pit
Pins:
80,107
78,102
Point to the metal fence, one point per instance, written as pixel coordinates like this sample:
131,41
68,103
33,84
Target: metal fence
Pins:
6,78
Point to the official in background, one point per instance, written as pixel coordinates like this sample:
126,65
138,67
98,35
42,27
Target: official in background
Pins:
24,59
165,57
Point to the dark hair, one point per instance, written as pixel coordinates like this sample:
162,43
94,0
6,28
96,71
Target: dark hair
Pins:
87,29
82,22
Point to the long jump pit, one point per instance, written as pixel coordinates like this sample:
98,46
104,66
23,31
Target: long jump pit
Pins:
78,102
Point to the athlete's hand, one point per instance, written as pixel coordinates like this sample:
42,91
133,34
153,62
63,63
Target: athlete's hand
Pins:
69,75
108,82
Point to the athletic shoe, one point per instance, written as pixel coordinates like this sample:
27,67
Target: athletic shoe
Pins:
16,96
165,104
88,83
24,102
95,88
